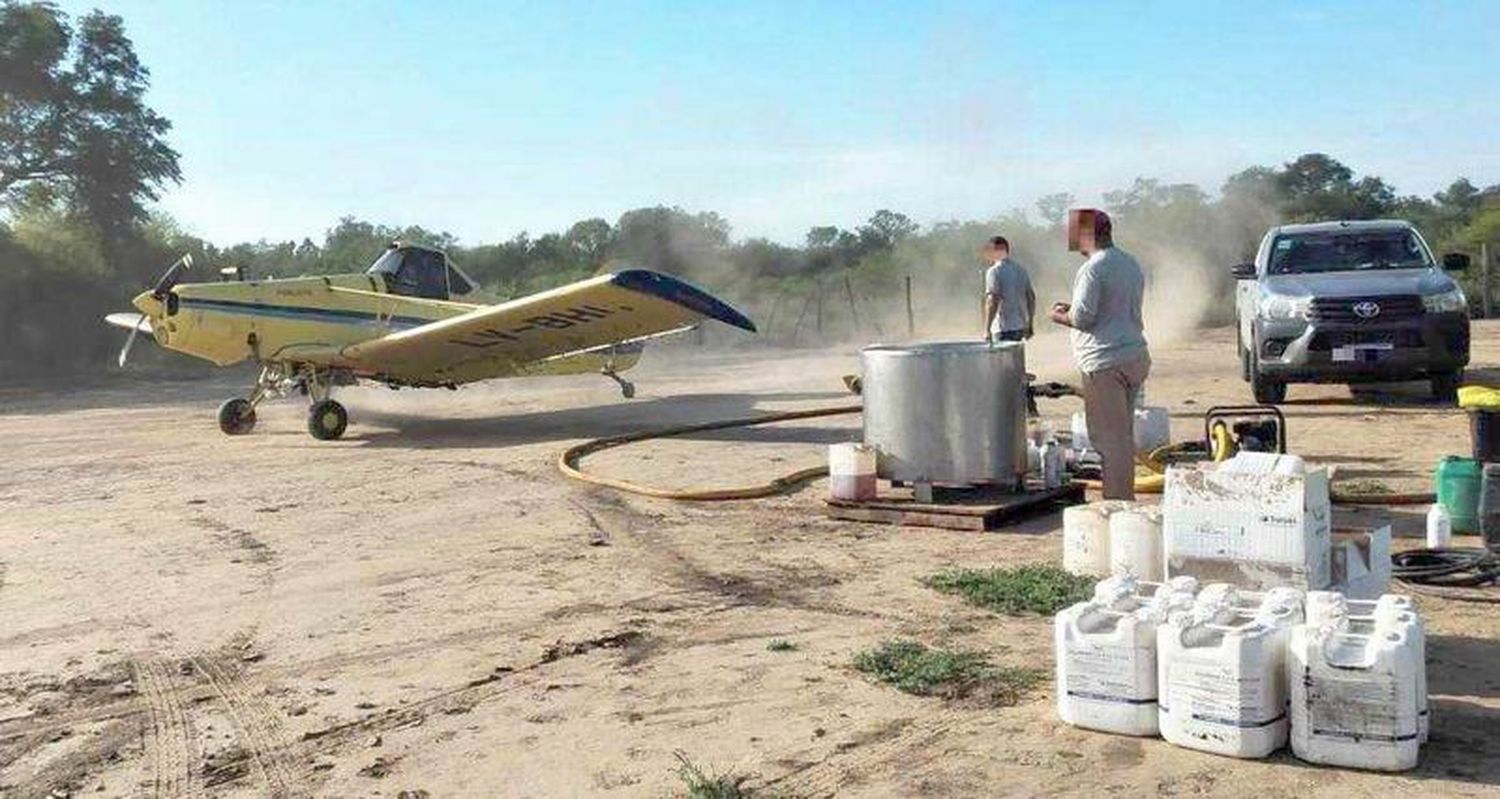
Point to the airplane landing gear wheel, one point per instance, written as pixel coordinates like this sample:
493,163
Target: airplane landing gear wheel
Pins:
236,417
627,389
326,420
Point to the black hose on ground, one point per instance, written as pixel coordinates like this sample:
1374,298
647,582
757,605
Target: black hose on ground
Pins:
1450,572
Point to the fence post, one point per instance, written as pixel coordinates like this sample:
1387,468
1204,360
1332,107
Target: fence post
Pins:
911,320
1484,278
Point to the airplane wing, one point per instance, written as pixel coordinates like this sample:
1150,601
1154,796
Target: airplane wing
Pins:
581,316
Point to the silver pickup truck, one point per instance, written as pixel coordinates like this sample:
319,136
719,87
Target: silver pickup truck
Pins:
1350,302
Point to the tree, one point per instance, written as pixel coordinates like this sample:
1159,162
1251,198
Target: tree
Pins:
670,239
589,240
886,229
1054,207
74,126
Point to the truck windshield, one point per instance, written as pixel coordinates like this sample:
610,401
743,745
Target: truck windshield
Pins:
1347,250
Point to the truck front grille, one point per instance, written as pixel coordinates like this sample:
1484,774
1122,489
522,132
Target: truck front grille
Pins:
1366,310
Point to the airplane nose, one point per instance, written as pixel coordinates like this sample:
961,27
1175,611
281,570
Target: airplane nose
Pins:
148,305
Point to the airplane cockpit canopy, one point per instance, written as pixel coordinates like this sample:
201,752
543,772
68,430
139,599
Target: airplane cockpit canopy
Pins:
414,271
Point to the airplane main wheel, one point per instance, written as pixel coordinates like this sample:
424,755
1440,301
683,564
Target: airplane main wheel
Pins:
236,417
327,420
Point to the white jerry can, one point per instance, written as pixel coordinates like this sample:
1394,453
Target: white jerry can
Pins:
1327,607
1152,428
1221,676
1106,654
1135,545
1086,537
1354,692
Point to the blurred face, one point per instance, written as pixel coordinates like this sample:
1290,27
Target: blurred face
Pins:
990,253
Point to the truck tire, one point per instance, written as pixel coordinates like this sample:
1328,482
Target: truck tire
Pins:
1266,390
1445,386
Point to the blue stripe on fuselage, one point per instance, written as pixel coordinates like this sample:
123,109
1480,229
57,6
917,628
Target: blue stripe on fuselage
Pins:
326,315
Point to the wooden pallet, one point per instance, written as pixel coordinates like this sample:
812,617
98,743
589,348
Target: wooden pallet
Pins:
980,512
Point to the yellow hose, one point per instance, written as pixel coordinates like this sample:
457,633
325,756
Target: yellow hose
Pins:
568,462
1152,481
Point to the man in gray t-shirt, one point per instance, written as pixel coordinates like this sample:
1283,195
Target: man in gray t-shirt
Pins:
1009,302
1109,344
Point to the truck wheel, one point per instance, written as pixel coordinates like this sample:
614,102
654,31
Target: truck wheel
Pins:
1445,386
1266,390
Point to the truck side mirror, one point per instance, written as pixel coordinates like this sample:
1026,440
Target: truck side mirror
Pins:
1243,271
1456,262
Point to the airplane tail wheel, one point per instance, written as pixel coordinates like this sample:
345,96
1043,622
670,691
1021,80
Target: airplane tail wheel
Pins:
327,420
236,417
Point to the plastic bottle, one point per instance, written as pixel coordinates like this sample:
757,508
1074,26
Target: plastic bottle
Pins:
1439,527
1051,465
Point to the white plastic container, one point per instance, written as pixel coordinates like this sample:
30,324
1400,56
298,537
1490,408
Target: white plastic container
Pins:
1439,527
1106,654
1052,465
851,472
1222,677
1080,430
1135,545
1355,694
1393,610
1153,428
1086,538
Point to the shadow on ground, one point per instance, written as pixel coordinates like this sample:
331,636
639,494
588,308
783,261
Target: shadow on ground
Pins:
416,432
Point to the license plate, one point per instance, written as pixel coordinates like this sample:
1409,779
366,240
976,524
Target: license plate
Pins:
1362,353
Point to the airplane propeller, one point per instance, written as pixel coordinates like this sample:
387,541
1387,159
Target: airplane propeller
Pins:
136,323
170,277
140,322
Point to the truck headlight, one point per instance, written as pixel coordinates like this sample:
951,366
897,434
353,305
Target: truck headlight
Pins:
1280,306
1450,301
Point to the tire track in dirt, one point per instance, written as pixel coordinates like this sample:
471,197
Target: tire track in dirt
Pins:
169,734
775,586
256,724
465,697
890,744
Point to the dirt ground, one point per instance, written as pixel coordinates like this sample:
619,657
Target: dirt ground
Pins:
428,605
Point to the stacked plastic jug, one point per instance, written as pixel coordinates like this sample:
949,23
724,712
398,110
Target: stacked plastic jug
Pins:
1359,683
1106,653
1221,671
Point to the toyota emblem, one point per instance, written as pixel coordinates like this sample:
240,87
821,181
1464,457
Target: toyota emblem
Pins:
1366,309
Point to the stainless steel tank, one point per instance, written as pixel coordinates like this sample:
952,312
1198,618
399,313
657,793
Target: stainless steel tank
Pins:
947,412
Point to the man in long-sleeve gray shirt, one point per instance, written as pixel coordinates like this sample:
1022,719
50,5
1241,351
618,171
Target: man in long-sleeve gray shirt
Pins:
1109,344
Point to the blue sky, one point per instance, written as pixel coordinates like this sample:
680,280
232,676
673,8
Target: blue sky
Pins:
486,119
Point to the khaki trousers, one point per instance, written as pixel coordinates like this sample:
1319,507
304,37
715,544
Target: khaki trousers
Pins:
1109,406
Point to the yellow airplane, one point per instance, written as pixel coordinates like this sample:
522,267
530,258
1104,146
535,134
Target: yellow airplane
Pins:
398,324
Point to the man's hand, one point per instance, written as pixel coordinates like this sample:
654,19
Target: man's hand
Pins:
1059,314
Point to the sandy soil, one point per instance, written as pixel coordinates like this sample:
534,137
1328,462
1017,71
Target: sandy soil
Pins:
428,606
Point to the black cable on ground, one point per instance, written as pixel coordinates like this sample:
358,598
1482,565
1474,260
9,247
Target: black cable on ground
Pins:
1450,573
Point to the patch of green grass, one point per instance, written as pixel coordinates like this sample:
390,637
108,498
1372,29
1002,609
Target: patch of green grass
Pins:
1015,590
963,674
781,645
700,784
